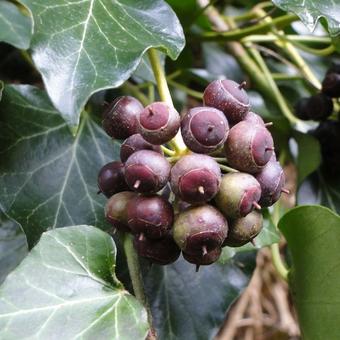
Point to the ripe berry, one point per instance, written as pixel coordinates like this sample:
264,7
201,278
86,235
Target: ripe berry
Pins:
331,85
200,229
120,118
152,216
203,259
116,210
244,230
204,129
249,147
159,123
301,109
272,180
238,195
146,171
163,251
229,97
135,143
253,118
195,178
317,107
111,179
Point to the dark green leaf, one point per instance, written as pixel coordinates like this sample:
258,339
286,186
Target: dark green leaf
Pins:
308,155
320,189
66,288
48,177
267,236
144,70
310,11
313,236
13,245
15,27
1,88
190,305
81,47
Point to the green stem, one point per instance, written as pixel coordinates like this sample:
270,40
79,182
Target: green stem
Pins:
284,76
290,50
158,72
237,34
227,168
190,92
277,261
278,96
136,274
135,91
164,93
167,151
323,52
259,38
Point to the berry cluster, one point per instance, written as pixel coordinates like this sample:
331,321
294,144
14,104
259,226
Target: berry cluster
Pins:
209,211
320,106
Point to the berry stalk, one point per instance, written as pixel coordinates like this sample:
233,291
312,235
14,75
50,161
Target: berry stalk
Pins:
136,275
164,93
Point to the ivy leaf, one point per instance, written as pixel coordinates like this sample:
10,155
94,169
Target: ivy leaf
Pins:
310,11
1,88
190,305
81,47
48,178
67,287
268,235
15,27
319,189
13,245
313,236
309,155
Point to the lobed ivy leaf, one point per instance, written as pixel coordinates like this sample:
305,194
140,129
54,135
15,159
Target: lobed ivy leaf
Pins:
310,11
48,177
13,245
81,47
66,288
313,236
190,305
15,27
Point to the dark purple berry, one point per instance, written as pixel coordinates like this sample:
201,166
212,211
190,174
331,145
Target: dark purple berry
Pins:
244,230
301,109
152,216
195,178
120,119
253,118
111,179
146,171
204,129
249,147
200,229
229,97
116,210
135,143
163,251
331,85
159,123
272,180
205,258
238,195
317,107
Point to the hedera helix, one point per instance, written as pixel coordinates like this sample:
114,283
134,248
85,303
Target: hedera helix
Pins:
190,187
